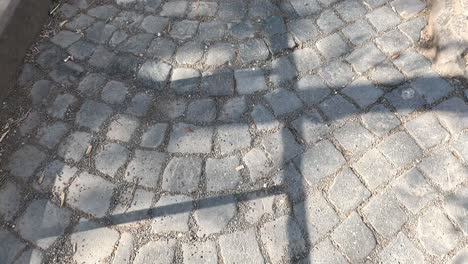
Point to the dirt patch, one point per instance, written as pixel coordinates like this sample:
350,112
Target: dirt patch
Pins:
445,38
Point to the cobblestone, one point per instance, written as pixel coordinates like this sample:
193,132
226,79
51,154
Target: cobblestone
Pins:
114,92
122,128
55,177
452,113
222,174
302,131
49,136
182,174
355,238
199,253
25,161
443,169
383,18
92,115
171,214
74,146
413,190
400,149
316,216
436,233
250,81
358,32
60,106
10,197
401,250
91,194
162,250
12,247
347,192
283,101
420,126
332,46
153,137
93,241
250,251
53,221
385,215
214,214
203,111
375,169
110,158
145,168
275,235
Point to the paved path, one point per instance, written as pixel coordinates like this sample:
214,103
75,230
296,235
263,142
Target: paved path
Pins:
296,131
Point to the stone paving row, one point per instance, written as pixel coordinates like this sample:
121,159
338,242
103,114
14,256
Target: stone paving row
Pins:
300,131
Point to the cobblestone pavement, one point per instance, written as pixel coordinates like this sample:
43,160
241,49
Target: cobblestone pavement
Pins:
300,131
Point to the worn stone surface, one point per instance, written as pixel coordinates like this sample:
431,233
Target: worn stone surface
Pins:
275,235
214,214
93,241
385,214
230,252
171,214
145,168
436,233
91,194
43,222
301,131
355,238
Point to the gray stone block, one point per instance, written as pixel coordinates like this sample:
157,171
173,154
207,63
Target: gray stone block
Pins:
92,115
110,158
436,233
444,169
222,174
355,238
375,169
154,135
187,138
413,190
90,194
145,168
182,174
316,216
50,135
283,101
214,214
171,214
385,215
229,246
347,192
401,149
319,161
43,222
25,161
201,111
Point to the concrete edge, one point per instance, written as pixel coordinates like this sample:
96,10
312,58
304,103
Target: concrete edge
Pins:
20,23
